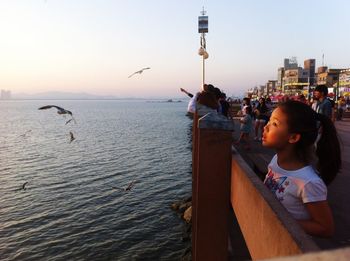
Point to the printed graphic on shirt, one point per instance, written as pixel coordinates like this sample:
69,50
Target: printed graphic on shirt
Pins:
276,185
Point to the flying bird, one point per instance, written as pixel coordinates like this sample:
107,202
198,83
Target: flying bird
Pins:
24,185
72,119
139,72
60,110
71,137
24,134
128,188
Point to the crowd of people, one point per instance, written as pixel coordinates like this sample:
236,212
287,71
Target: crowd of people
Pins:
261,110
303,135
209,99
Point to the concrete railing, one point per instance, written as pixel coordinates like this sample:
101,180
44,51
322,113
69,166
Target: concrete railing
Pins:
342,254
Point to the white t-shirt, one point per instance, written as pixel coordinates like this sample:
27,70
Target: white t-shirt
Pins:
294,188
192,103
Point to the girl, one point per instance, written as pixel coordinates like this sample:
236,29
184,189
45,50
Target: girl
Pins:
298,183
245,103
246,126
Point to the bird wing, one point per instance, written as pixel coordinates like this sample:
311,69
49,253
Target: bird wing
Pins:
51,106
140,71
25,183
71,136
132,74
69,112
132,183
117,188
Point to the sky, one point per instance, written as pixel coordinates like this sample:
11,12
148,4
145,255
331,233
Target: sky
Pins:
93,46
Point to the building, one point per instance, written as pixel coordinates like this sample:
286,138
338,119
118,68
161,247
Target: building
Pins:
290,63
280,76
344,82
328,77
310,65
5,95
295,81
270,87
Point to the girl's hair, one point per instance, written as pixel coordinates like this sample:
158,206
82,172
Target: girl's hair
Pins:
303,120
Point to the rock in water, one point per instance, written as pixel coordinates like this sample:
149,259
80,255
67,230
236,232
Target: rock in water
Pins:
188,215
184,206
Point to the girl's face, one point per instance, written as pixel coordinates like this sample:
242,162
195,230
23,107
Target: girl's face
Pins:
276,133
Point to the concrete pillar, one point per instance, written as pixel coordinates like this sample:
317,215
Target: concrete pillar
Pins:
211,187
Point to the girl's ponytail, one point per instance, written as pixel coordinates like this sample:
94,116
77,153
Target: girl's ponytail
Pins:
328,150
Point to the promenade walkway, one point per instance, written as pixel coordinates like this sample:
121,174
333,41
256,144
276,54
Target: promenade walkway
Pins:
338,192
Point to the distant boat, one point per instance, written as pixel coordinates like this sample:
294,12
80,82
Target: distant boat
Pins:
171,100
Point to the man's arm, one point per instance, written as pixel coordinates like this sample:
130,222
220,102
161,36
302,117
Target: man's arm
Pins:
189,94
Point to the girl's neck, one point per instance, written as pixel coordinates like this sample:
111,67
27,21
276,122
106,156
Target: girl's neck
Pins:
288,160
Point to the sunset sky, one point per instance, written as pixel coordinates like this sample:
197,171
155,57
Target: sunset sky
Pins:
93,46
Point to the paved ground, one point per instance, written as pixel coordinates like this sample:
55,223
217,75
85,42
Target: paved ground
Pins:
338,191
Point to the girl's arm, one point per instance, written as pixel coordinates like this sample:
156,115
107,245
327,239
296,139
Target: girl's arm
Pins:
243,119
321,222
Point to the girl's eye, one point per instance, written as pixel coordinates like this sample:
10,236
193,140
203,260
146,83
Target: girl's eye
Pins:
273,123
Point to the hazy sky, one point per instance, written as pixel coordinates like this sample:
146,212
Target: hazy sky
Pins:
94,45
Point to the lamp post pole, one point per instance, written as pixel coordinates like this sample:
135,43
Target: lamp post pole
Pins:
202,29
203,45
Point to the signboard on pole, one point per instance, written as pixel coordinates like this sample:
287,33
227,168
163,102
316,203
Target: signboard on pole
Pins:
202,24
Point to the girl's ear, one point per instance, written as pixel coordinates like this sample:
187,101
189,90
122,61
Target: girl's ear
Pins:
294,138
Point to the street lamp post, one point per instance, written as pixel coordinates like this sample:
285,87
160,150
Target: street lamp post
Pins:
203,29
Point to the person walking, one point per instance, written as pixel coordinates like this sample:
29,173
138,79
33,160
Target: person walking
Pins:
322,104
341,108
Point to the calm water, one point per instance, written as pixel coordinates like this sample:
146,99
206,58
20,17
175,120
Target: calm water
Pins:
70,210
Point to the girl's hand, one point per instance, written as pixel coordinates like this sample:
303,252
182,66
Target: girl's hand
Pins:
321,222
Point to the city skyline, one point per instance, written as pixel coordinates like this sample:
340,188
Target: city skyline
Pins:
85,46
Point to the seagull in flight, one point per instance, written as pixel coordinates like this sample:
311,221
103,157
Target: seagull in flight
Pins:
71,137
25,134
24,185
60,110
128,188
139,72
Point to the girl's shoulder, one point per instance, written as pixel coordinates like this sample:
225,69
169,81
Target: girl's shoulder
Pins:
307,173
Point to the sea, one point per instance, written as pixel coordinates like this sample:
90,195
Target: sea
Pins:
71,207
